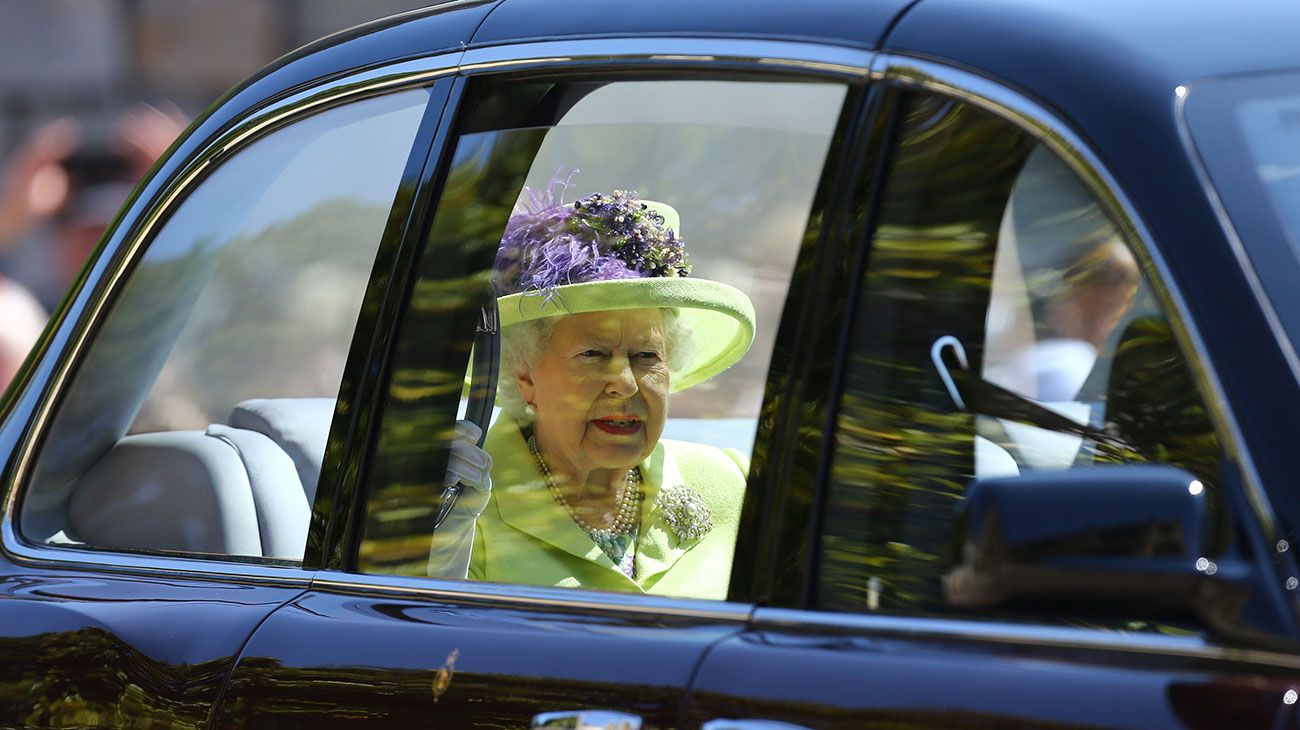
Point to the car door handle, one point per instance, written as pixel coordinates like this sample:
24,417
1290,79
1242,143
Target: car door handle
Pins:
587,720
724,724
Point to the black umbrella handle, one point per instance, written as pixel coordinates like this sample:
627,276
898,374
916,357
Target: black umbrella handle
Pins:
484,370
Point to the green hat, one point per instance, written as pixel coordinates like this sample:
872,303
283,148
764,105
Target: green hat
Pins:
611,252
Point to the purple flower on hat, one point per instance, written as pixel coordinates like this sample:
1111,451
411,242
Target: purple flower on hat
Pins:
600,237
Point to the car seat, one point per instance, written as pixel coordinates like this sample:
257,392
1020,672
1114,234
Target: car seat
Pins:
240,489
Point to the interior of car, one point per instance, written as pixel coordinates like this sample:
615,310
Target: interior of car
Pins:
198,422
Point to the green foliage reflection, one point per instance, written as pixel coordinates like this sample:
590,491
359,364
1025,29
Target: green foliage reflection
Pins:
904,450
434,346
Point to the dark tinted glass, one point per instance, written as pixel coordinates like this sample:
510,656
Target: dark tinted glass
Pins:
1247,132
990,249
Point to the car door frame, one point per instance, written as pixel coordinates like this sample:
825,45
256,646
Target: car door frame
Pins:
903,73
795,638
344,475
709,55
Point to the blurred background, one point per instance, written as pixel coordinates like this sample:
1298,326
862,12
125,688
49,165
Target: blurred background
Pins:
91,92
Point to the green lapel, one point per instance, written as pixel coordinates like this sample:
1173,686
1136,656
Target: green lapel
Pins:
526,504
657,547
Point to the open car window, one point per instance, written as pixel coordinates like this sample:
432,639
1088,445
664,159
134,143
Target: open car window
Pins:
731,166
196,422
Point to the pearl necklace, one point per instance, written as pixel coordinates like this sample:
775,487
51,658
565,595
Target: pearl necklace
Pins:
628,498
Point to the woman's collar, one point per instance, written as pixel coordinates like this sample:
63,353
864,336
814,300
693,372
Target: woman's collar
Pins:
522,497
525,503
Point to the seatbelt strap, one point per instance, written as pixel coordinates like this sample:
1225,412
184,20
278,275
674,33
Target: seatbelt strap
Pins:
987,399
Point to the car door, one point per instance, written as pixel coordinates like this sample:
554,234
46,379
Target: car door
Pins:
1014,332
749,155
155,515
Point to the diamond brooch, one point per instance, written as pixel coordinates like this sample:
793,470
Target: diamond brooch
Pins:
685,512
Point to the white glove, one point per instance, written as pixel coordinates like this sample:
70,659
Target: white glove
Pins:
469,471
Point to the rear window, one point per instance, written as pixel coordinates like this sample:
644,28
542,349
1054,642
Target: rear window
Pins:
1246,130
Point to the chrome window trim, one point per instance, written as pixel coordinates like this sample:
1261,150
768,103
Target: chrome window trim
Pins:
810,59
1032,635
349,89
216,569
1060,138
544,597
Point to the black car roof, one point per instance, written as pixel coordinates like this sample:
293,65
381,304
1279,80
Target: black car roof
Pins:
1170,40
858,23
1040,45
1057,48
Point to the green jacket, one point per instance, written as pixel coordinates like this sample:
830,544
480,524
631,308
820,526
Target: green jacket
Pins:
524,536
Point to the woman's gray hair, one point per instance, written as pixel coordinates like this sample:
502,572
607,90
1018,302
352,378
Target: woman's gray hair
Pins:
523,343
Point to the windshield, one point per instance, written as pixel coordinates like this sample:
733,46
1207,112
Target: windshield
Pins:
1247,131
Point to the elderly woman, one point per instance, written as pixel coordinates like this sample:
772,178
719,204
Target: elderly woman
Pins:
600,323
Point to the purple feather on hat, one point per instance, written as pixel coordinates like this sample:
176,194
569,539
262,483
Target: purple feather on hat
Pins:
548,244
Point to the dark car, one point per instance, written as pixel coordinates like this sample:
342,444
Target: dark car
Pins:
1022,402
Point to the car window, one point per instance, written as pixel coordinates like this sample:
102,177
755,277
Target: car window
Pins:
1006,330
725,169
196,422
1244,130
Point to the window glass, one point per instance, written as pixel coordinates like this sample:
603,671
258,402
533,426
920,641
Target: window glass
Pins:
1064,288
197,421
1270,128
731,168
1246,131
987,243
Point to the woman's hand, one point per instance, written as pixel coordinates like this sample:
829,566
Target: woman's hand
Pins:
469,475
470,467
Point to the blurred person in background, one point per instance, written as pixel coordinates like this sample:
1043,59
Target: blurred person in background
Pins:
21,320
59,191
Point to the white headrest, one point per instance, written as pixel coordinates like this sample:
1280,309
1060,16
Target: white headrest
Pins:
299,425
179,491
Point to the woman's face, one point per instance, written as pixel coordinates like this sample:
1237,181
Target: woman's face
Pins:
600,390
